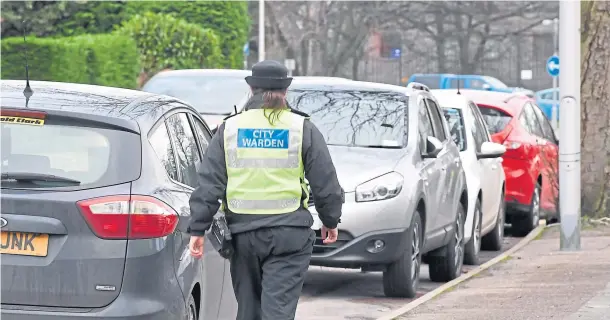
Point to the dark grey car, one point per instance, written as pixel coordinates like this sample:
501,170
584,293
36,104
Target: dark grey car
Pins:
95,190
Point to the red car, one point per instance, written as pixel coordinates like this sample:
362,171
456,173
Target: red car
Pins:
530,162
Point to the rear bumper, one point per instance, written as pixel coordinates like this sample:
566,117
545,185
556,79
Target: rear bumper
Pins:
354,253
124,307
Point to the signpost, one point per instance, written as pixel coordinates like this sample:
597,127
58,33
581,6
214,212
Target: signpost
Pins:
246,54
552,67
569,135
290,65
261,30
396,53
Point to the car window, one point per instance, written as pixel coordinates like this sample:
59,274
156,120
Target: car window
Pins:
547,129
476,84
437,121
431,82
161,143
202,135
354,117
495,119
547,95
90,155
532,120
455,83
186,148
455,120
209,94
495,82
475,129
425,125
480,122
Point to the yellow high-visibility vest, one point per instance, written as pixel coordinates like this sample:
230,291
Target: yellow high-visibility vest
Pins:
264,163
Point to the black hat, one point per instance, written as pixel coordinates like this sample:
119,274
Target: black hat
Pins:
269,74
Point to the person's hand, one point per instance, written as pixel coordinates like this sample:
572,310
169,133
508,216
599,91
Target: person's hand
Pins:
196,246
329,235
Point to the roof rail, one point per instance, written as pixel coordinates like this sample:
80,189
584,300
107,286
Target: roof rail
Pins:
418,86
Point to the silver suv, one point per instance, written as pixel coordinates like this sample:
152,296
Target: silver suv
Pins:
405,191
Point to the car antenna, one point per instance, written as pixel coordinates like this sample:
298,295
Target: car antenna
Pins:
235,107
458,84
27,92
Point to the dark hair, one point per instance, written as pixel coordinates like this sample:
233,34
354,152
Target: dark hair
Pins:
274,100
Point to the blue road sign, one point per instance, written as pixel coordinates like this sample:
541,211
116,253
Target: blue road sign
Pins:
247,49
552,66
395,53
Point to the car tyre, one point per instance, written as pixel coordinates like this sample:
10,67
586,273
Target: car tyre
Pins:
449,267
494,240
401,277
473,247
191,309
524,225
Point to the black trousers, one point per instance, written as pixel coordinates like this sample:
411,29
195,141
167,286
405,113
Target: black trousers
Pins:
268,270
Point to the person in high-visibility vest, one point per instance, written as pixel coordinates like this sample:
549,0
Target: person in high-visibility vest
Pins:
258,163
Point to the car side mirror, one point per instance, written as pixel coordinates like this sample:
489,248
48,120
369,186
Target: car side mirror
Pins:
433,147
491,150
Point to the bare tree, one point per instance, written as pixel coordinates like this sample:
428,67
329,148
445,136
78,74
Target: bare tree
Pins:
595,96
466,34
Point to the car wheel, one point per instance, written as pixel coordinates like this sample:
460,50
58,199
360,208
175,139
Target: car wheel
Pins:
449,267
473,247
495,239
524,225
191,309
402,276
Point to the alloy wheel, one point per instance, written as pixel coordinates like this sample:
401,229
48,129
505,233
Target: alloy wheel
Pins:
477,231
415,252
536,207
459,239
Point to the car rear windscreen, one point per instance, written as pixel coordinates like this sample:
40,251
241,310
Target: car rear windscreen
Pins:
496,120
67,155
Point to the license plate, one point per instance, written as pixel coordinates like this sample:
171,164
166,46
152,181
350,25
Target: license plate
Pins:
24,244
317,223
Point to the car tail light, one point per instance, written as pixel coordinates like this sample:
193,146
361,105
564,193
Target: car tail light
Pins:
23,113
129,217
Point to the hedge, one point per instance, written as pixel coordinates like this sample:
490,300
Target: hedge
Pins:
109,60
164,40
229,20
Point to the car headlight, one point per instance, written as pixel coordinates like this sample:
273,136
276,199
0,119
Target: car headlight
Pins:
381,188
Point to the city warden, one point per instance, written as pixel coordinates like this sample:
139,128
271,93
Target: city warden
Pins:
256,164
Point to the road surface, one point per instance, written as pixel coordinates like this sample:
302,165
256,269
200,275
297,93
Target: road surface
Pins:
350,294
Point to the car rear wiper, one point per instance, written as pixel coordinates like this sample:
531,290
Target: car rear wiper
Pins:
380,147
31,177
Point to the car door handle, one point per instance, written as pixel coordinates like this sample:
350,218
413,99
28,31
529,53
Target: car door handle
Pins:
456,161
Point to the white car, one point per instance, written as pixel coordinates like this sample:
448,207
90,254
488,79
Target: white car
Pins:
485,180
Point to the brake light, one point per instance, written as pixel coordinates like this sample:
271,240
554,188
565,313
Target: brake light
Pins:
128,217
23,114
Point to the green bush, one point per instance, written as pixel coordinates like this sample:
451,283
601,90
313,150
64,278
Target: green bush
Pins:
163,40
229,20
109,60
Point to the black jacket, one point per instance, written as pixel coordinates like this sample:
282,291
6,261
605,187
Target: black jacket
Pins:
319,171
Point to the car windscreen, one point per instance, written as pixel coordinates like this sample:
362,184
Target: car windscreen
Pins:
207,94
495,82
455,120
361,118
65,154
496,120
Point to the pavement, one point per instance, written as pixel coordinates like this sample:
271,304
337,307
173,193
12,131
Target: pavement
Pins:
538,282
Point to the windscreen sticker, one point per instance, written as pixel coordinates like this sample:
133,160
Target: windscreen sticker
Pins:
22,120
